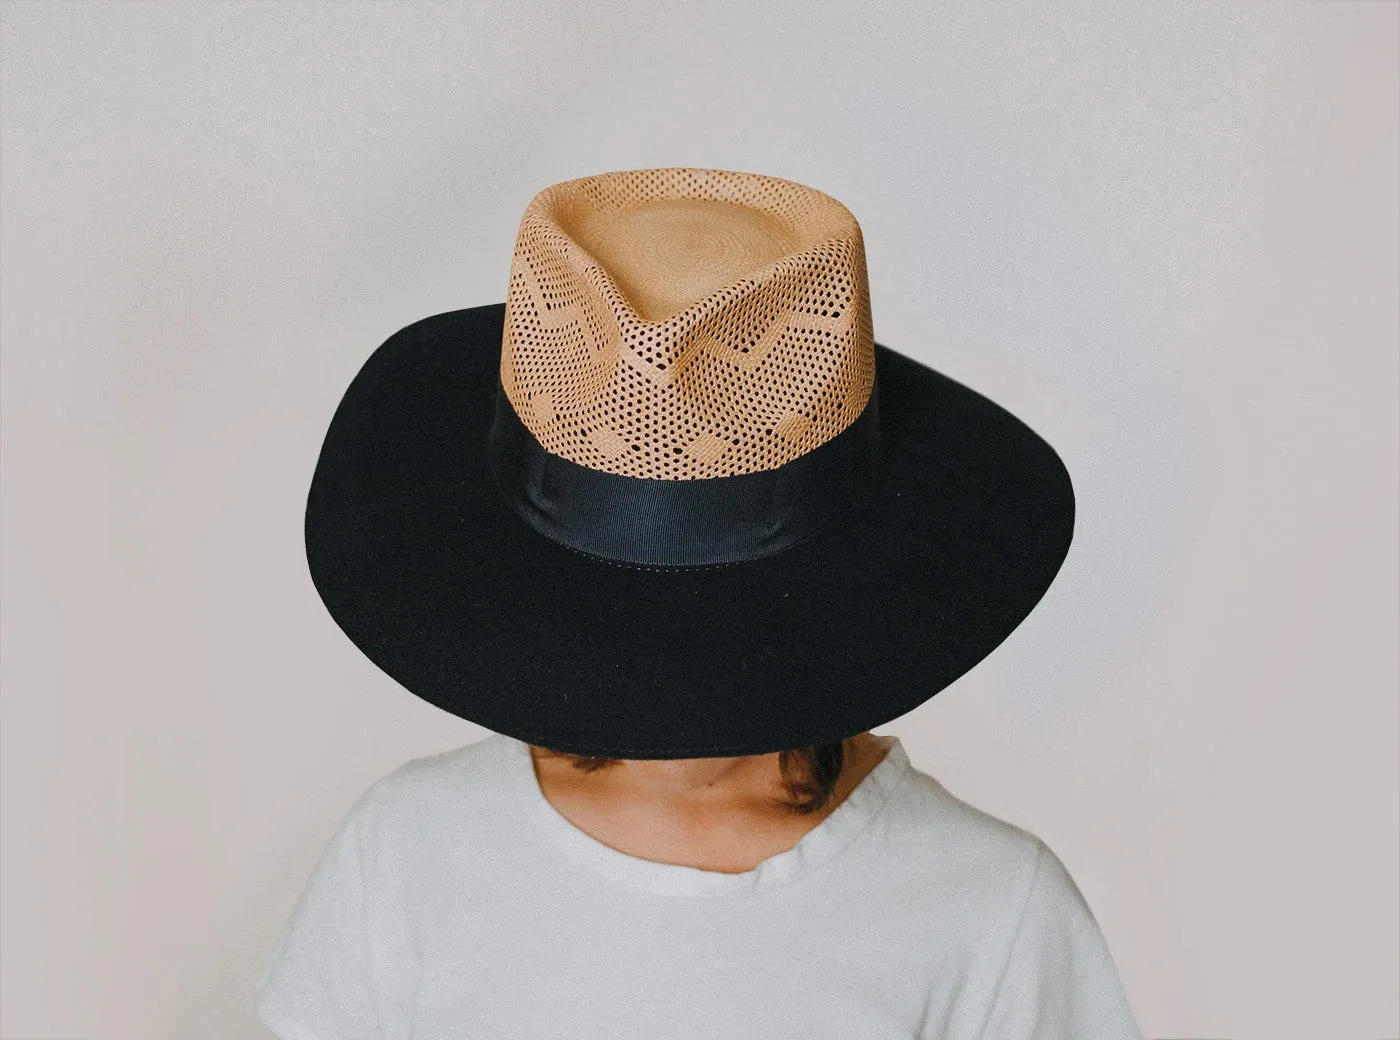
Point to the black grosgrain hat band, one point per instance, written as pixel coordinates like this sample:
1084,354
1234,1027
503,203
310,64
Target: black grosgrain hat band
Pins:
680,524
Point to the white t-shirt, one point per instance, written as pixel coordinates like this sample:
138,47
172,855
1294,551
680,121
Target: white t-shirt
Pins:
455,902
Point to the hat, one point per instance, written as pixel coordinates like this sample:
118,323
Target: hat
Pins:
671,499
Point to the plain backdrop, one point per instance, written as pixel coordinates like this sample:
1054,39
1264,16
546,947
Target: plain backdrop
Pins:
1164,234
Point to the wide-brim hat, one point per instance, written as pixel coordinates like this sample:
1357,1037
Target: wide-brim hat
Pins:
671,499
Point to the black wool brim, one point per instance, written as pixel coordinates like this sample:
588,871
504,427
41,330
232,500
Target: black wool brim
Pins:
424,566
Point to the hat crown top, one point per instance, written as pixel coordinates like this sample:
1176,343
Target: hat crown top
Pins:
684,323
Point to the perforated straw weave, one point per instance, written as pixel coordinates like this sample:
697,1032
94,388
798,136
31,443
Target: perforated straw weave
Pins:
681,323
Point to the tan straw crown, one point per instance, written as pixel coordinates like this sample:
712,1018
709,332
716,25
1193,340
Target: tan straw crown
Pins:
682,323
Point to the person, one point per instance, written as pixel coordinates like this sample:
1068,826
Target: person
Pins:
656,524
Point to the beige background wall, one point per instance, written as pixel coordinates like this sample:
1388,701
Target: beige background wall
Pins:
1163,233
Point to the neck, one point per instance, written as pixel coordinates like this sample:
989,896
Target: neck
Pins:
697,781
693,784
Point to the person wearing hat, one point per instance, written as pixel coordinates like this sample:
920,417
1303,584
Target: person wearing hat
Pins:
673,527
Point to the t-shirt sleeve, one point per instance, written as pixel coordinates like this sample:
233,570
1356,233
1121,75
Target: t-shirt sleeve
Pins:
344,965
1059,981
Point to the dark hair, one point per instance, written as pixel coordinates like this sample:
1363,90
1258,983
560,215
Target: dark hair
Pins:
809,773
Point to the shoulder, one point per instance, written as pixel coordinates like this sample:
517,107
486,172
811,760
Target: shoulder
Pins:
1000,879
927,812
950,847
450,794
